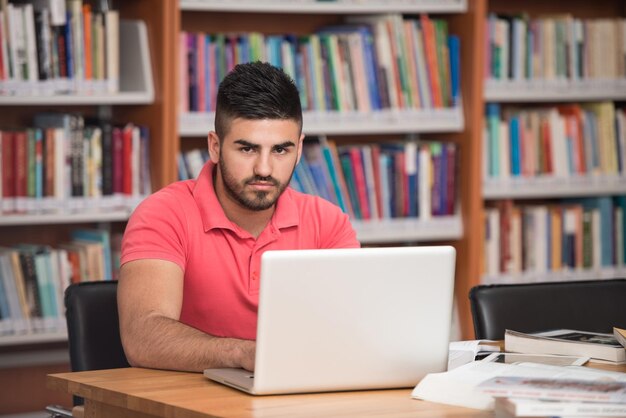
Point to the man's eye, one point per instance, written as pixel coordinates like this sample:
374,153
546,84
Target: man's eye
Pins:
246,149
280,150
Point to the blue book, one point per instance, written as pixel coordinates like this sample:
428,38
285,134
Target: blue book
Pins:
39,155
295,182
5,312
620,202
69,42
306,179
514,129
454,48
385,185
334,175
346,166
102,237
207,74
493,126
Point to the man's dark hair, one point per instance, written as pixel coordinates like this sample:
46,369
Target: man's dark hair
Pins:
256,90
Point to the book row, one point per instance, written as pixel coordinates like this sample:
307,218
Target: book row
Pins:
563,141
574,235
58,47
370,63
33,278
553,48
371,181
64,156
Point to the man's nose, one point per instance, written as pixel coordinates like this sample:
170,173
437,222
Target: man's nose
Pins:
263,166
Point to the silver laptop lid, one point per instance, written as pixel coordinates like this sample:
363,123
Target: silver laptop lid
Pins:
349,319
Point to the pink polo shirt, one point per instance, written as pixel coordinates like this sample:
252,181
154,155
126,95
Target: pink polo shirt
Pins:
184,223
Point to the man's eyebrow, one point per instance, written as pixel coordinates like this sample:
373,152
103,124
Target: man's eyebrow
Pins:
246,143
285,144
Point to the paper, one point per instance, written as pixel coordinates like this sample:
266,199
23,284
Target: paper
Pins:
458,386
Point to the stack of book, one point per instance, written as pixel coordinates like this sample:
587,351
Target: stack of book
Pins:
33,278
64,159
567,141
58,47
549,397
560,47
570,235
368,64
401,179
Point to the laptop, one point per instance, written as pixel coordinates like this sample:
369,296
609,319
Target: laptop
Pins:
349,319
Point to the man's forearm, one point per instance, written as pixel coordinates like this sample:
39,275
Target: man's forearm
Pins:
165,343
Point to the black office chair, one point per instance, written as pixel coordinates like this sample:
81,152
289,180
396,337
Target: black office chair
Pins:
93,330
591,305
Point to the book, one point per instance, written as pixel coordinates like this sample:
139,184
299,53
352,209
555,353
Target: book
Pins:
597,346
460,386
555,388
519,407
620,336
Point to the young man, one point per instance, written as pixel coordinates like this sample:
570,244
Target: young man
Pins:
188,291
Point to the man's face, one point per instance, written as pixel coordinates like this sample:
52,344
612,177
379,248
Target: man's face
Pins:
255,160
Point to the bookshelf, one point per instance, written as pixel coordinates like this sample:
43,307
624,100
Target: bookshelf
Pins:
460,124
554,92
146,97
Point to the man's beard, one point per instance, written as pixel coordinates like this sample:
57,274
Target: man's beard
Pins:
262,200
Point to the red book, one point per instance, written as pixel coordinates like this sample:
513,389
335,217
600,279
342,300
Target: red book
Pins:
359,179
377,183
200,69
430,49
127,165
8,167
87,41
48,163
20,163
546,166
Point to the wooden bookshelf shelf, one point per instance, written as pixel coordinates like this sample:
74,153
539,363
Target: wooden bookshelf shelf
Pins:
558,276
100,215
407,229
34,211
517,188
136,82
33,338
342,123
327,7
554,91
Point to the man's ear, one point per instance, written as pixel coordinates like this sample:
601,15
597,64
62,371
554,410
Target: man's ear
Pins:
213,142
299,145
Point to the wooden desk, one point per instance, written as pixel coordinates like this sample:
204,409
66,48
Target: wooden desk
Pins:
144,393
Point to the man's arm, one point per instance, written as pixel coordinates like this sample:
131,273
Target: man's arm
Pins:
150,294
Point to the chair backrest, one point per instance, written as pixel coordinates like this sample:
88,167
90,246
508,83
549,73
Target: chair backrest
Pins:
592,305
93,326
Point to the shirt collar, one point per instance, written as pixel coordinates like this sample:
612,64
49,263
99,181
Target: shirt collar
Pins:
212,213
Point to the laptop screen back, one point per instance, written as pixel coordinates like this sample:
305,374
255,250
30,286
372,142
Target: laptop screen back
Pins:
349,319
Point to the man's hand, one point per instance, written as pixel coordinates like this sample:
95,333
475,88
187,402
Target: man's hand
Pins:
248,353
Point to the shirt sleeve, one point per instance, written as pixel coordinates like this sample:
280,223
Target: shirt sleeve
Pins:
156,230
